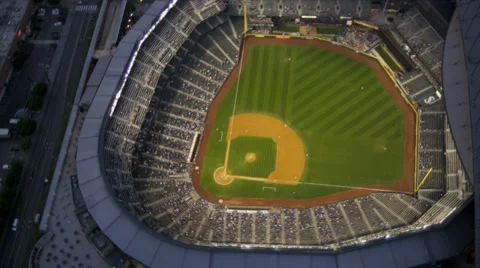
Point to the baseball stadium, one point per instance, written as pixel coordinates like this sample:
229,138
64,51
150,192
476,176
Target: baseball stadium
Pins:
294,125
277,134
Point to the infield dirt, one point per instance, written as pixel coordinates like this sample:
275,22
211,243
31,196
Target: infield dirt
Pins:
290,158
406,185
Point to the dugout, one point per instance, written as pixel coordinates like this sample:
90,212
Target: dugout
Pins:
396,49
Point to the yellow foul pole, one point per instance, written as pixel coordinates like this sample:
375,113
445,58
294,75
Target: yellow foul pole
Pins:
245,19
423,180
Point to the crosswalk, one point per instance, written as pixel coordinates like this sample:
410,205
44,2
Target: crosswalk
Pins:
87,8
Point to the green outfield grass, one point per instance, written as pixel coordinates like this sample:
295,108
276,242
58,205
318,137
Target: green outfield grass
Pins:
330,30
386,57
265,150
286,28
353,136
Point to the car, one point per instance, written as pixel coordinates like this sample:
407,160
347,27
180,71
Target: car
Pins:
45,182
55,35
37,218
15,224
41,12
58,23
55,11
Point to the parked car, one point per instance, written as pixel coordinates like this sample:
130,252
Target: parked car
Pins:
37,218
15,224
41,12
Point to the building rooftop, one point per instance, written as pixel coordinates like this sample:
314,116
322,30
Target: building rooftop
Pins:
11,14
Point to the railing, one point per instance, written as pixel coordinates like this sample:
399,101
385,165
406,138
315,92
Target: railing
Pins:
34,259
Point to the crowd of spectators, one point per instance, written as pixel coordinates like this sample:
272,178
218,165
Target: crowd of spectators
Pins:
163,105
176,112
359,37
298,8
431,142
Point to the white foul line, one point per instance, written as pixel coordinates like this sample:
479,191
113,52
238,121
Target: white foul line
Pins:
351,187
236,92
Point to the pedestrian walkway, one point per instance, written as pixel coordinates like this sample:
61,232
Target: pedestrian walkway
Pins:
43,42
87,8
69,247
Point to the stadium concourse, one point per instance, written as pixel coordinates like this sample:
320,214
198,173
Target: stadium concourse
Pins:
134,159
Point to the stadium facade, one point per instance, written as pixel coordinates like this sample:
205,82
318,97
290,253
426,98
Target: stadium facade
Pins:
162,223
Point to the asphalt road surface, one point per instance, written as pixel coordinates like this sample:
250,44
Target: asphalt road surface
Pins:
16,245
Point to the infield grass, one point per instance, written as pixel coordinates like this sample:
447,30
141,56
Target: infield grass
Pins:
351,128
264,151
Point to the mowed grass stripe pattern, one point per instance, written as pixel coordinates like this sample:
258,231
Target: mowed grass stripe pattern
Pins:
351,128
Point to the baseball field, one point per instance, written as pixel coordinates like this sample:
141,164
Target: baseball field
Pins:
302,123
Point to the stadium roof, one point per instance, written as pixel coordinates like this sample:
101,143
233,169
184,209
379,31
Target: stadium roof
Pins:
460,66
461,79
157,250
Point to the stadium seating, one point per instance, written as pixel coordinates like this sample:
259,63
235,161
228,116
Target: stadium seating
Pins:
306,227
164,102
421,38
293,8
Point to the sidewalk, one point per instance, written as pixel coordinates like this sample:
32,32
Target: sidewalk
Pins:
69,247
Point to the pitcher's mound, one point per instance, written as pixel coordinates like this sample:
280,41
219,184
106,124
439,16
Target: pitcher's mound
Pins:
250,157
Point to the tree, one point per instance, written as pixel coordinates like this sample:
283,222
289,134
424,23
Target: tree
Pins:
9,192
19,59
40,89
14,171
26,143
9,189
26,126
5,205
34,102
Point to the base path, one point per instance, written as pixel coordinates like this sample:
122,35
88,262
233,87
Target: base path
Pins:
406,185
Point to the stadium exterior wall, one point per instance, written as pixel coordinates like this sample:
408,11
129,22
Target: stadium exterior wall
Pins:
156,250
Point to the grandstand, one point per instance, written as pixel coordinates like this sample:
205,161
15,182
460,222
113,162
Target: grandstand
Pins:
292,8
422,38
136,140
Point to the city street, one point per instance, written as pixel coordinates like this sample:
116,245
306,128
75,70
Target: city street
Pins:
16,245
